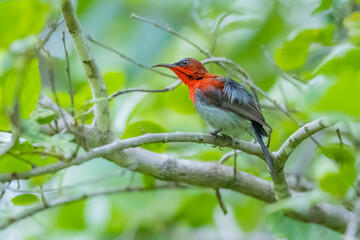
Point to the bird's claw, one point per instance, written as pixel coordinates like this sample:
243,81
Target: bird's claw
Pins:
215,134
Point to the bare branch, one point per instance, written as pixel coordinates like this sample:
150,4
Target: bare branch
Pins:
96,81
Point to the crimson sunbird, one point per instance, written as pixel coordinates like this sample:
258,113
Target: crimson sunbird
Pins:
222,102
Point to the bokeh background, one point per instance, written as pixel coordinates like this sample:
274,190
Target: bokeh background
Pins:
304,53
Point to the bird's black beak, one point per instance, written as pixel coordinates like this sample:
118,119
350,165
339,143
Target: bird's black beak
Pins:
164,65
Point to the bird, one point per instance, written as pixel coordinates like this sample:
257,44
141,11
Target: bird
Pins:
223,103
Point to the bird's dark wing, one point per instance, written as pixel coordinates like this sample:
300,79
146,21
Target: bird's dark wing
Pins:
237,99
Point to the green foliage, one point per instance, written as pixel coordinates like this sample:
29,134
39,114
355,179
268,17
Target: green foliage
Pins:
114,81
72,216
293,53
142,127
249,214
43,115
40,180
25,199
338,182
22,18
178,100
326,56
197,210
325,5
21,84
148,181
22,157
285,228
342,93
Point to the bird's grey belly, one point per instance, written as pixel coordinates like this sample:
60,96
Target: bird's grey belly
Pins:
230,123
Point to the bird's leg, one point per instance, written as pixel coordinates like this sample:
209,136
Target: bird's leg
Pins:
269,138
215,134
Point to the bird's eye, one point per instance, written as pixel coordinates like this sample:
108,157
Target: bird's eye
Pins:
183,63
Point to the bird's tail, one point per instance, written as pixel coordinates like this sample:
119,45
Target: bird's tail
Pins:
259,132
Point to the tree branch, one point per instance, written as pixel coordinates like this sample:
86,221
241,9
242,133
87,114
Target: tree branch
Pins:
300,135
119,145
214,175
92,70
207,174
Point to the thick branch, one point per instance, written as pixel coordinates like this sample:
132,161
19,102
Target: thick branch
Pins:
92,70
214,175
116,146
209,174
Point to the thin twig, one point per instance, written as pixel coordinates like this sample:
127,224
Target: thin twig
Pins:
53,25
3,189
61,202
340,138
69,76
128,58
286,76
215,31
220,201
52,84
235,167
43,199
227,155
166,89
172,31
79,184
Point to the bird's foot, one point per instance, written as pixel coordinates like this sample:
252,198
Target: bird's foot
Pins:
215,134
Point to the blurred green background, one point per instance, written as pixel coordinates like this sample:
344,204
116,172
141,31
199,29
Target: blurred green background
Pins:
304,53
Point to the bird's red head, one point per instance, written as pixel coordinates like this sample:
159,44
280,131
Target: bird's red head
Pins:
187,69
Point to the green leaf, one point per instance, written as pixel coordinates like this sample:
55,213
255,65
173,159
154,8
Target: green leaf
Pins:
22,18
25,199
342,94
10,163
352,24
43,115
338,181
197,210
249,213
114,81
148,181
325,5
178,100
143,127
72,216
293,53
40,180
29,88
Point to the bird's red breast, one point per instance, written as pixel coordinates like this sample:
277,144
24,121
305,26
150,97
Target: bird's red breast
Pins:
205,84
